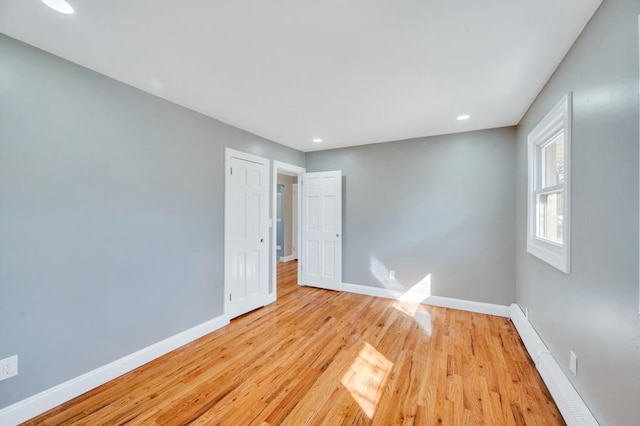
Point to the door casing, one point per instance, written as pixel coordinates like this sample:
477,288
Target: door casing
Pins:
280,167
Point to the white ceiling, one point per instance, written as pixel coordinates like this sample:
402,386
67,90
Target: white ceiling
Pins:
349,72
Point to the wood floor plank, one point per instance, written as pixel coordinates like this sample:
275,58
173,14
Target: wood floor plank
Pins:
325,357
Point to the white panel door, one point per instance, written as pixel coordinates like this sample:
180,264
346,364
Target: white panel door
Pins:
246,233
321,230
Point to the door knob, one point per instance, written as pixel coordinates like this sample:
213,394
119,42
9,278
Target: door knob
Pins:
338,235
262,240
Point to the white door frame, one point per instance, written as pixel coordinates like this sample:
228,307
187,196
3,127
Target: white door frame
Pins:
295,208
230,153
288,169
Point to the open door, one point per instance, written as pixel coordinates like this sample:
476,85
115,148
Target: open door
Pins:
321,239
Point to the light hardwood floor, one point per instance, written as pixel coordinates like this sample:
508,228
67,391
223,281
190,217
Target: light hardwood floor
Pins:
323,357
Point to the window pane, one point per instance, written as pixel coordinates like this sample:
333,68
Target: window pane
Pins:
553,155
551,217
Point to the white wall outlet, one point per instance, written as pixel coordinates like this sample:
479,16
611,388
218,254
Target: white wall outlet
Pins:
9,367
392,274
573,363
526,313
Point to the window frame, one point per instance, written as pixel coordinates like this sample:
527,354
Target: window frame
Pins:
556,122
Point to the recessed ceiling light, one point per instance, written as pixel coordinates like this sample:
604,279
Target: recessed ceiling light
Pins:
317,140
59,6
463,117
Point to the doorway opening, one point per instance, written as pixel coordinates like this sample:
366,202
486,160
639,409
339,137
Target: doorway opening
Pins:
285,235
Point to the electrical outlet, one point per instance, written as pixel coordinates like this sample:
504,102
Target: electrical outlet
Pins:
392,274
9,367
573,363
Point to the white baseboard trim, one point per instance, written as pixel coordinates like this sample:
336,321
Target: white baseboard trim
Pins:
52,397
287,258
534,344
417,297
573,409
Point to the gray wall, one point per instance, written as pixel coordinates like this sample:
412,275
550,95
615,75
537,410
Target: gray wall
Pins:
111,217
594,310
440,205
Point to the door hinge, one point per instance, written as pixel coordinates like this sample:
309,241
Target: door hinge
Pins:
231,170
229,297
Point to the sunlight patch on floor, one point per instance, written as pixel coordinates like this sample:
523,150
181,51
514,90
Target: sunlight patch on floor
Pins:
366,378
409,304
409,301
417,312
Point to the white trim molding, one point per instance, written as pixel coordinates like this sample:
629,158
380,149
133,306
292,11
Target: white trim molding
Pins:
534,344
418,297
287,258
292,170
556,124
37,404
573,409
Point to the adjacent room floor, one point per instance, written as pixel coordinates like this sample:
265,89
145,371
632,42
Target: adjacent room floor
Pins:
323,357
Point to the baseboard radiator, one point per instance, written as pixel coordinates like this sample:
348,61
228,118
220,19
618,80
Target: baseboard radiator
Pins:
573,409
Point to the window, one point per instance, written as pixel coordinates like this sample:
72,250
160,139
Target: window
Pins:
549,193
